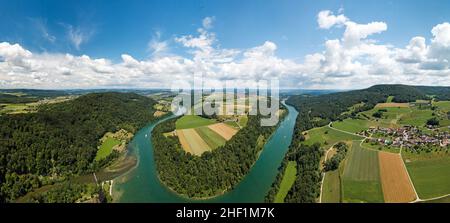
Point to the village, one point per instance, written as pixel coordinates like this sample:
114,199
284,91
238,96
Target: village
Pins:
407,137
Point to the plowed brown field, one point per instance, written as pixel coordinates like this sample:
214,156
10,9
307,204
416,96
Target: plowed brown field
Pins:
395,182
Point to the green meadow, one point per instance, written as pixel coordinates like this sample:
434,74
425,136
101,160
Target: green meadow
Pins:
286,183
193,121
328,136
361,177
331,190
430,176
211,138
106,148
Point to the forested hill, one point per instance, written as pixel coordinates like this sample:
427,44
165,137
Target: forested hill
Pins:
61,139
329,107
319,110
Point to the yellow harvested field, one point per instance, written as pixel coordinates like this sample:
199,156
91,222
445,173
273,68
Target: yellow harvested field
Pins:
191,141
397,187
183,141
223,130
392,105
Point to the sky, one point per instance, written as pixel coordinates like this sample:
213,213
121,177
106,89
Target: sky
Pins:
153,44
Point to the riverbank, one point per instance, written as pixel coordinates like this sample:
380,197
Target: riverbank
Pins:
142,184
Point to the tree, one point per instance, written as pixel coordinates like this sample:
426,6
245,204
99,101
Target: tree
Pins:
433,121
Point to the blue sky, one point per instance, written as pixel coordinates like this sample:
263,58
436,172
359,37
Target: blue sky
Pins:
109,29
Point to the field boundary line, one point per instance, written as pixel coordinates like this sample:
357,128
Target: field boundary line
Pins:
409,177
432,199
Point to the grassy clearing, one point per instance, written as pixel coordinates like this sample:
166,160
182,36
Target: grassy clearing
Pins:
328,136
15,108
389,99
211,138
430,176
390,117
331,191
243,121
286,183
416,117
232,124
390,149
353,125
361,177
443,105
106,148
193,121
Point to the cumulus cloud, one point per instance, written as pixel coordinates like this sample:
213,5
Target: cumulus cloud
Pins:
354,60
326,19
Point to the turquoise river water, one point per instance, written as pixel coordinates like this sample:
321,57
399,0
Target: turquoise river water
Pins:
141,184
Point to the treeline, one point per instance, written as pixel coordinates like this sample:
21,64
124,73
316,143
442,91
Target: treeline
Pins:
213,172
27,95
62,139
68,192
306,187
319,110
333,163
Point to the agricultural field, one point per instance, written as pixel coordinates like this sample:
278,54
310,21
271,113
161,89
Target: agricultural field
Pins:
389,99
192,142
288,180
106,148
328,136
395,182
224,130
243,121
417,117
392,105
379,147
331,191
361,177
442,105
430,174
193,121
211,138
390,117
353,125
15,108
198,135
232,124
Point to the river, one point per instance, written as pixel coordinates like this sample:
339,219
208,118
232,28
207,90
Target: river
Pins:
142,184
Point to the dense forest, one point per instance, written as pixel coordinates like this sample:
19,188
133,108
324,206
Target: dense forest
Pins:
61,139
213,172
319,110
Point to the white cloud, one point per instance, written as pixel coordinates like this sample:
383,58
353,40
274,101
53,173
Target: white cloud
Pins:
207,22
78,35
41,26
326,19
354,60
158,46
